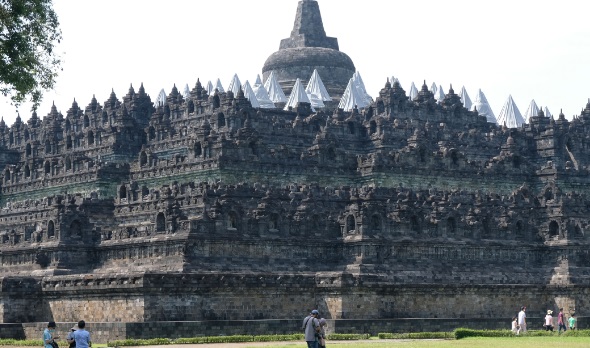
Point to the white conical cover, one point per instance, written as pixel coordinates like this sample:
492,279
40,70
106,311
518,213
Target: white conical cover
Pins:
298,95
547,113
316,87
362,91
161,99
531,111
439,95
465,98
413,92
187,92
234,85
433,88
258,81
351,98
210,88
275,92
218,87
250,95
510,115
316,102
262,95
483,107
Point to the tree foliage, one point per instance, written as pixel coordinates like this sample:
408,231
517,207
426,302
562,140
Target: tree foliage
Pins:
29,31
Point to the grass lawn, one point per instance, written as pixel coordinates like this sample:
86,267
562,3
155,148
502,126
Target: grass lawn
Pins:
515,342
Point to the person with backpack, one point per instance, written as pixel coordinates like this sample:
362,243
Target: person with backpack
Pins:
70,338
311,328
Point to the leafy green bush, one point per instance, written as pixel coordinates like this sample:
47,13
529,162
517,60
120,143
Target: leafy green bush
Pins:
277,338
140,342
190,340
463,333
417,335
230,339
577,333
347,337
28,343
206,339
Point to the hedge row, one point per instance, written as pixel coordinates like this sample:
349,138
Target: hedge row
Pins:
417,335
463,333
457,334
206,339
577,333
28,343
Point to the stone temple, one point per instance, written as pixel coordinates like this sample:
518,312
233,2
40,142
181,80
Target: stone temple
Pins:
203,215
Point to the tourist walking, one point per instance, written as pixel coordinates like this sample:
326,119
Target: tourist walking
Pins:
572,321
311,327
515,326
561,321
322,338
549,321
522,319
81,336
49,336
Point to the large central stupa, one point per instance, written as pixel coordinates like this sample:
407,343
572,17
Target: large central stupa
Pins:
309,48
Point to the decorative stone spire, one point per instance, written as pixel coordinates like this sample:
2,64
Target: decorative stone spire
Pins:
112,98
34,120
308,48
141,90
424,95
18,121
173,94
197,92
388,84
308,30
93,106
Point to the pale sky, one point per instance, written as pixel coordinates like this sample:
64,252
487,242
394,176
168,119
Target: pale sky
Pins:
530,49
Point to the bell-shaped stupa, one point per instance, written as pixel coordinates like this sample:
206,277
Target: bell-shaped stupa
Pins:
308,49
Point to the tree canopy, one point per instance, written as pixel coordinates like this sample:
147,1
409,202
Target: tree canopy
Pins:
29,31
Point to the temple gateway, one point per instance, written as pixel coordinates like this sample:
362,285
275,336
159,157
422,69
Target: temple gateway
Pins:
208,213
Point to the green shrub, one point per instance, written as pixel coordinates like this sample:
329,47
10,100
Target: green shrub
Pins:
463,333
190,340
207,339
277,338
347,337
577,333
540,333
13,342
140,342
417,335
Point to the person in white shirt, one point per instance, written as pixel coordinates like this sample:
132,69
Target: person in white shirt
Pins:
522,319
